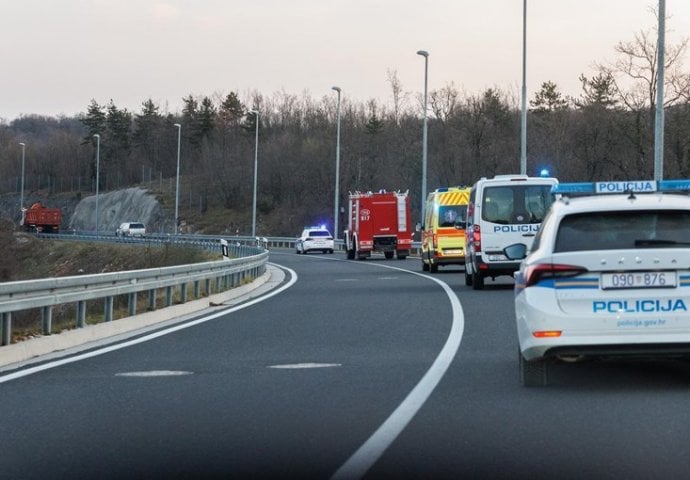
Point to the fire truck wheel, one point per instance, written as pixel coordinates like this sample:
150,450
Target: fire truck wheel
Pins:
388,255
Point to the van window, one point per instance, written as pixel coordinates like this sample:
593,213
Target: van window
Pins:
516,204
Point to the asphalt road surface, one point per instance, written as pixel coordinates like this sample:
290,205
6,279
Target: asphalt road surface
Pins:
356,369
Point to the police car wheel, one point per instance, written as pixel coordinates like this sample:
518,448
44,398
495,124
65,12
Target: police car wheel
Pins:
533,373
477,281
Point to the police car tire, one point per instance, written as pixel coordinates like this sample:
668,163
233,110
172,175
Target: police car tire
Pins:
533,373
350,254
477,281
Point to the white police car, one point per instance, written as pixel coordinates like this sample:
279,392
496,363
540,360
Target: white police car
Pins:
315,238
607,275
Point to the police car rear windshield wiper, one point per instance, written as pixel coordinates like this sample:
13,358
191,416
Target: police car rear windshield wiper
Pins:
655,242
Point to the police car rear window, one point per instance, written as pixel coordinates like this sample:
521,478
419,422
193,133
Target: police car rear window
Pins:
623,230
319,233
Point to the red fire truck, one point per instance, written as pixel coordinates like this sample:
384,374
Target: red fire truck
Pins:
378,222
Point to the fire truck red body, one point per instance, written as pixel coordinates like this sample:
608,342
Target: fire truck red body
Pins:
41,219
378,222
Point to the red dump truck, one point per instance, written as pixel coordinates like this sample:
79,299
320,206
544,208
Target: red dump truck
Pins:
378,222
38,218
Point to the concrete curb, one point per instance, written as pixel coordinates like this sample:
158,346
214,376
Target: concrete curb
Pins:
72,341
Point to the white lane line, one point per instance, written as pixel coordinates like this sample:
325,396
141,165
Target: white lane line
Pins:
365,457
296,366
146,338
155,373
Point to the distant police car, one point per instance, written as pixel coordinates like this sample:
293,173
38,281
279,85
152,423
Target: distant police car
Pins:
315,238
606,276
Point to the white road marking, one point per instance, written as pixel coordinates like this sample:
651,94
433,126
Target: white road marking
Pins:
295,366
146,338
365,457
155,373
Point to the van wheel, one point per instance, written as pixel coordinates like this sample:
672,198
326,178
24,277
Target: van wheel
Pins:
477,281
468,278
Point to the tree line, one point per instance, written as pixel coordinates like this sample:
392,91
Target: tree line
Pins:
605,133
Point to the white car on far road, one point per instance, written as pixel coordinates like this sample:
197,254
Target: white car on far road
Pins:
315,239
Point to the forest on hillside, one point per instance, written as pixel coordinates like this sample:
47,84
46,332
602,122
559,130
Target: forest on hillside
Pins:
607,132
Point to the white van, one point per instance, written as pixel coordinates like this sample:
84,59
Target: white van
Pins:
503,211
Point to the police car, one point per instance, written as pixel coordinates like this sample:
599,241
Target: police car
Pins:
608,274
315,238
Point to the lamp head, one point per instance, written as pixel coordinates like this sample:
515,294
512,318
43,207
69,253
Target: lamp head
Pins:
337,89
423,53
178,125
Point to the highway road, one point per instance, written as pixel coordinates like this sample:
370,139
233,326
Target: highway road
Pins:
356,369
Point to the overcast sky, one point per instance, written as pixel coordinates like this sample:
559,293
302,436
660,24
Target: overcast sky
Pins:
57,55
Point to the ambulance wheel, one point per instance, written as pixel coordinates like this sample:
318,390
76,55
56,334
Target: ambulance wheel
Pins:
433,268
425,266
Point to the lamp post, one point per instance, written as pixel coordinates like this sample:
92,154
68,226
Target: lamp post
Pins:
21,194
177,181
523,113
659,115
424,54
337,168
256,165
98,161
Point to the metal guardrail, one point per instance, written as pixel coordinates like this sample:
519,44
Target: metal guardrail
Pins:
44,294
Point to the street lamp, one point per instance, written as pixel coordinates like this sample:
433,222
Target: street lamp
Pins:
337,168
98,161
523,113
21,194
424,54
177,181
256,165
659,115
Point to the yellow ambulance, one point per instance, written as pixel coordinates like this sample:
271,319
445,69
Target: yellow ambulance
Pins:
443,230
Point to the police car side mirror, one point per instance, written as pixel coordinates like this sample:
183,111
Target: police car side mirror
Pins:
517,251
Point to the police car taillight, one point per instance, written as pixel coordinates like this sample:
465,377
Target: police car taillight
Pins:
549,271
477,238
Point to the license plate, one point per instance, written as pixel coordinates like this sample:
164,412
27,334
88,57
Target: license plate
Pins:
638,280
454,251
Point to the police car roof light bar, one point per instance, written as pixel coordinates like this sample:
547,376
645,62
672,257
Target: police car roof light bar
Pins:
613,187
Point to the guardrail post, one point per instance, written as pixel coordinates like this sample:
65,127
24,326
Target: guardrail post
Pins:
197,289
108,309
152,299
47,319
168,296
6,328
132,303
183,293
81,314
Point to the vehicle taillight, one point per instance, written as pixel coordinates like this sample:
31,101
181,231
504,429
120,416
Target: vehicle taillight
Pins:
477,238
434,241
544,271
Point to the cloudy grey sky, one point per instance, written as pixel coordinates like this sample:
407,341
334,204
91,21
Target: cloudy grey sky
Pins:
57,55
